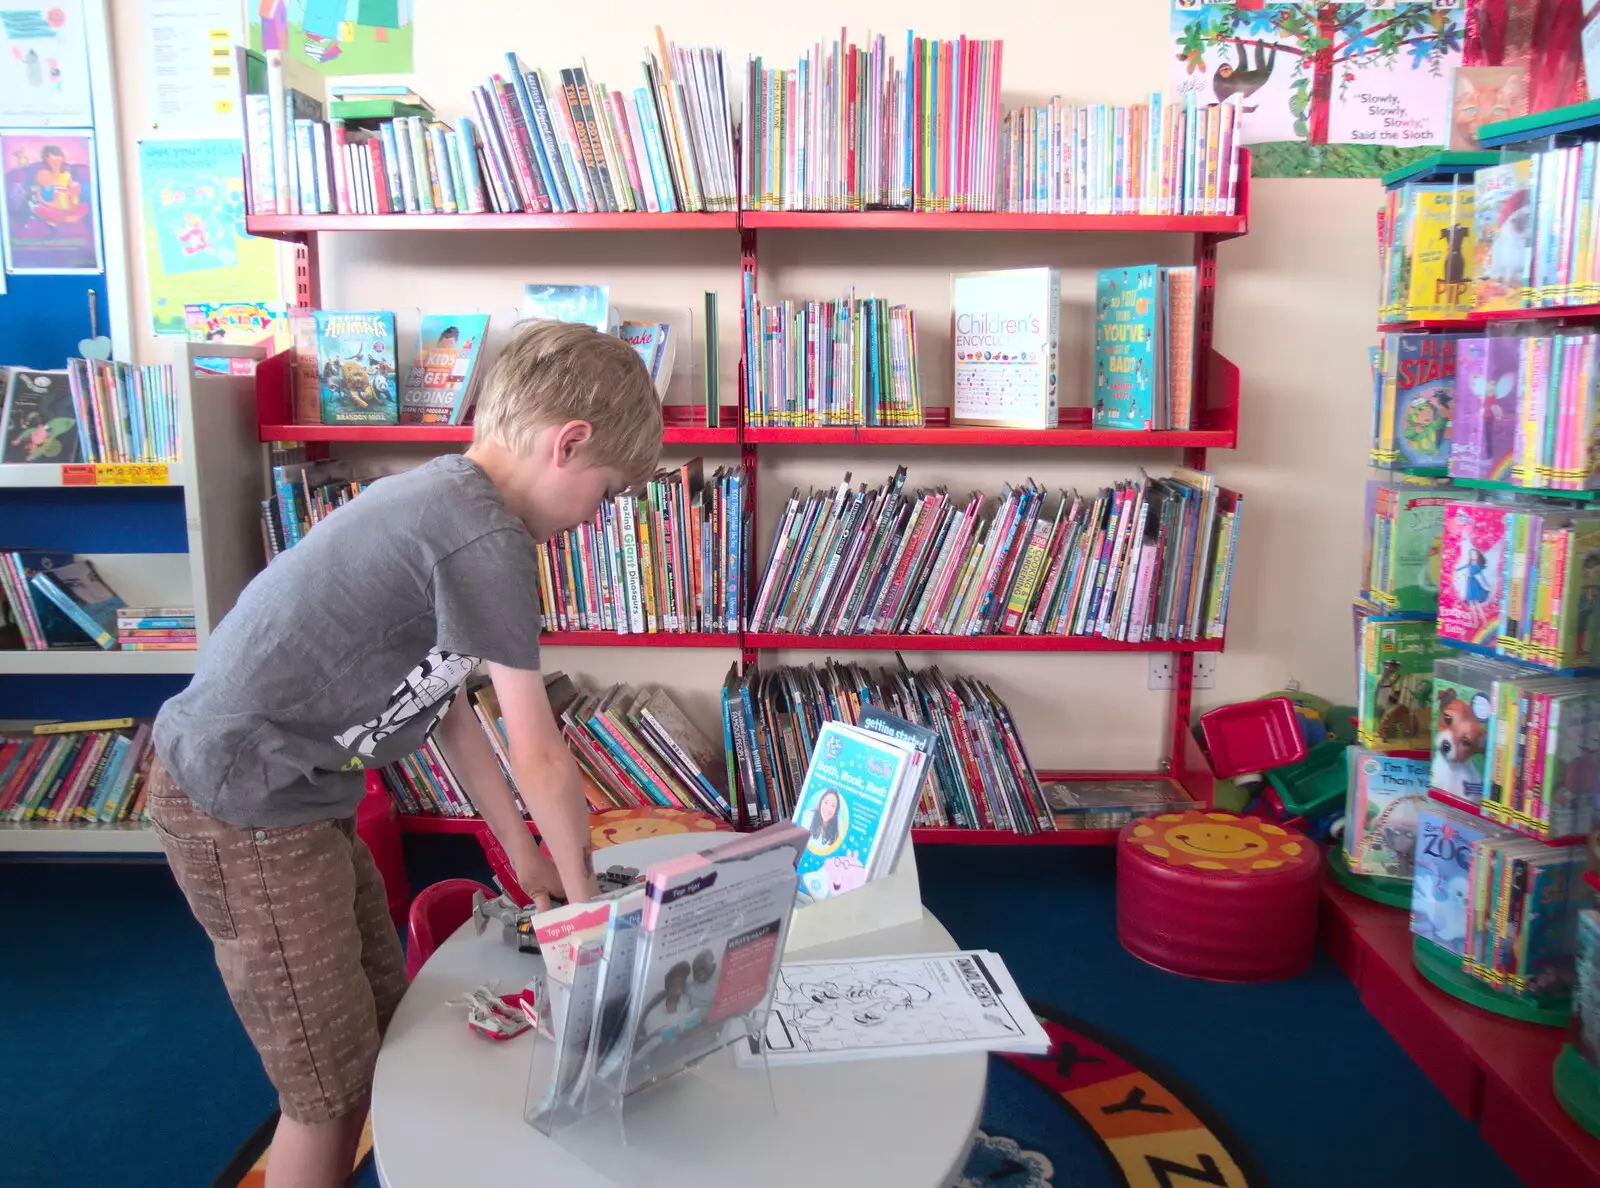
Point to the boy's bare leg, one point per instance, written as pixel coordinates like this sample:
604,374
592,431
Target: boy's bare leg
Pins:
320,1155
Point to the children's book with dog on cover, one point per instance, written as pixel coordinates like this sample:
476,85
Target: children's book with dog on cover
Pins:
356,367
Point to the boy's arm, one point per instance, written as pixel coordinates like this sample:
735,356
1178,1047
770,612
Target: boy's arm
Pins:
547,776
472,759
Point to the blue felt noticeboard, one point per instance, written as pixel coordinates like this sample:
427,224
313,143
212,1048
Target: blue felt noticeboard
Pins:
43,317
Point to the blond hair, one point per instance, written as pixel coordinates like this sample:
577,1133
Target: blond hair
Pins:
554,372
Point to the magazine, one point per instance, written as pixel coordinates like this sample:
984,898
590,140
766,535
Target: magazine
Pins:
849,796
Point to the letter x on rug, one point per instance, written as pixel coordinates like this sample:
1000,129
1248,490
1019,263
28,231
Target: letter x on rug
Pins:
1095,1113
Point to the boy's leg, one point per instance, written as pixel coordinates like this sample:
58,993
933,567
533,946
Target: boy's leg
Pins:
281,907
381,955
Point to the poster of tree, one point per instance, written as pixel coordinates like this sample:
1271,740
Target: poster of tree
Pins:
1327,90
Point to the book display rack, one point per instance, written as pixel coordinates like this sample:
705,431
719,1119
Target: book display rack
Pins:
1216,421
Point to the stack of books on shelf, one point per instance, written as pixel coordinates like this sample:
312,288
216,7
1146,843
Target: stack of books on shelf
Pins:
981,777
1149,559
635,748
75,773
1500,907
849,128
557,141
667,557
56,600
847,362
156,629
1426,252
90,411
305,493
1534,226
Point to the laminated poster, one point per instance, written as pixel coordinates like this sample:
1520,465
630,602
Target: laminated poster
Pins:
50,218
196,249
337,36
44,65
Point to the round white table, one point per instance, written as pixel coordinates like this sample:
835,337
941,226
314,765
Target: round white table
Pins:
447,1105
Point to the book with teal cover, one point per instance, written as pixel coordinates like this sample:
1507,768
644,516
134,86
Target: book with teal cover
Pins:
845,802
588,305
356,367
1127,349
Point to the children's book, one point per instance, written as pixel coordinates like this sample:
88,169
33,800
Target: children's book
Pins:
1503,235
43,623
1585,1028
588,305
657,346
1394,699
1472,577
39,419
1404,542
239,323
1128,356
1386,796
846,802
1416,406
1006,331
1439,895
1442,251
76,589
1483,429
1178,315
356,366
442,380
1463,712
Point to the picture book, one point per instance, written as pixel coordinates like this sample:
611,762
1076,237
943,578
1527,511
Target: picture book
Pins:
1445,840
42,623
657,346
1482,95
78,592
356,366
846,802
1386,796
1415,410
39,419
443,375
1472,572
1005,336
1483,429
1503,235
588,305
1463,712
239,323
1111,804
1405,526
1395,696
1128,357
1441,252
1584,1032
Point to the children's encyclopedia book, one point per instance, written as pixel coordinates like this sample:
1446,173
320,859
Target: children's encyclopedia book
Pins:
443,376
1006,329
356,367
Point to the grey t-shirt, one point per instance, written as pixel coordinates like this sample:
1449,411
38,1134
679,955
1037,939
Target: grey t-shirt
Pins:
343,654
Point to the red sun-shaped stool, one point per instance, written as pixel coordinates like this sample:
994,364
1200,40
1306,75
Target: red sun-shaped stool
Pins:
1217,896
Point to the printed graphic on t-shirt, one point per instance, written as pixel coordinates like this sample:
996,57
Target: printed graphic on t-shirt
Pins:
427,689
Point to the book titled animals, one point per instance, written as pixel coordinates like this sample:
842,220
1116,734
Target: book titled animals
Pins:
356,367
443,374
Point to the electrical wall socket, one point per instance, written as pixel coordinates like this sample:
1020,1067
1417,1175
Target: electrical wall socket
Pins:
1163,670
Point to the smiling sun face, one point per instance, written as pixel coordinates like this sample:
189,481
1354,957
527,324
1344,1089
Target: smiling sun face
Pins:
1219,841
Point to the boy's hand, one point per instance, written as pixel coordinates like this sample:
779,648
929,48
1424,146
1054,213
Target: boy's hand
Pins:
537,875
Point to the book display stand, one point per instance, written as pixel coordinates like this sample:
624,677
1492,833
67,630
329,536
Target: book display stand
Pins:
891,899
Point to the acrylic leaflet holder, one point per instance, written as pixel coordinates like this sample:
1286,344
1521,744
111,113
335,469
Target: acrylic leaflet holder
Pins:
643,1083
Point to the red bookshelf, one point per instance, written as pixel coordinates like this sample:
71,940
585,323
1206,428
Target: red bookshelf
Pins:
655,639
416,823
767,641
1224,226
1468,807
1532,315
1216,425
278,226
1495,1071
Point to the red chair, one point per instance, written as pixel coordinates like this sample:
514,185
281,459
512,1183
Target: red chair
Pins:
436,912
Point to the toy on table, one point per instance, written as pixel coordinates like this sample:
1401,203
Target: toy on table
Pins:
500,1016
516,922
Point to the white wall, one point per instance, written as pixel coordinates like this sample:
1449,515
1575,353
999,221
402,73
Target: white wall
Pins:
1294,311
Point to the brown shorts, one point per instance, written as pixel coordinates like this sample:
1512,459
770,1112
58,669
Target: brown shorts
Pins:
303,938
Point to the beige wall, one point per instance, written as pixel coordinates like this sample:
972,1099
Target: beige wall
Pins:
1295,312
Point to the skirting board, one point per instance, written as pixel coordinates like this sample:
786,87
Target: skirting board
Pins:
883,903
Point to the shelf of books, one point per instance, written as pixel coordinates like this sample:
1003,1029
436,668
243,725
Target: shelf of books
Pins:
1222,226
278,226
772,641
90,474
1473,785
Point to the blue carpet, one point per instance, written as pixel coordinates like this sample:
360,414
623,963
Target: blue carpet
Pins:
173,1086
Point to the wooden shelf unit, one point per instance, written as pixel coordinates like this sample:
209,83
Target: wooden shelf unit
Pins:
1216,414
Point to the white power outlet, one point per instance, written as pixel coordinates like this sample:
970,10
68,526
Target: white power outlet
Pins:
1205,670
1163,670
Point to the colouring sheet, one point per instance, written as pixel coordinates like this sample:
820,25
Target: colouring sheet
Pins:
915,1005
